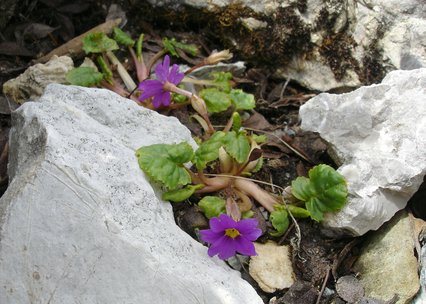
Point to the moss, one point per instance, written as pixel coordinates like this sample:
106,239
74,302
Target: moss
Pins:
336,49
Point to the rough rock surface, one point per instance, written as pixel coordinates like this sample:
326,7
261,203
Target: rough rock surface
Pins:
378,136
321,44
80,223
272,267
387,265
31,84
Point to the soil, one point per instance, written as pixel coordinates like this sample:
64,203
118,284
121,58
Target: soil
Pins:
37,27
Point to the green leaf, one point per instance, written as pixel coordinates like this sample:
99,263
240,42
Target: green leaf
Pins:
237,145
209,150
236,121
242,100
216,101
98,43
164,163
279,220
223,80
107,73
177,98
298,212
212,206
324,191
122,38
259,139
259,165
171,45
84,76
179,195
139,46
247,214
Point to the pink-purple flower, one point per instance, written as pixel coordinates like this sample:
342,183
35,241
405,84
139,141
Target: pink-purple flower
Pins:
227,237
155,88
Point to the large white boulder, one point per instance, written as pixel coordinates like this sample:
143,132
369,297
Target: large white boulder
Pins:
80,223
378,136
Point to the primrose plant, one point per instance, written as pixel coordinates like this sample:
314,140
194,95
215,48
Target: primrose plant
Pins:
219,170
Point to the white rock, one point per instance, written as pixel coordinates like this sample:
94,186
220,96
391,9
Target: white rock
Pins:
31,84
272,267
378,136
80,223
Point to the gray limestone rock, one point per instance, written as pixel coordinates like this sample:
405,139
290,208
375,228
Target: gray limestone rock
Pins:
80,222
31,84
377,135
323,45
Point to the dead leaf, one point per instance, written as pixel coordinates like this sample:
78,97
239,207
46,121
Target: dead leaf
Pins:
10,48
257,121
37,31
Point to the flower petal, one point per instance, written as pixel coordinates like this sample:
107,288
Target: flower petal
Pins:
161,99
248,229
210,236
162,69
223,247
150,88
227,221
244,246
174,76
216,225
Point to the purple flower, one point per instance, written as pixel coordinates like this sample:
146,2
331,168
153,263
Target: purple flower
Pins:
227,236
155,88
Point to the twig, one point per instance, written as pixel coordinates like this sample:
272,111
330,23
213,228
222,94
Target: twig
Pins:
323,286
283,89
74,47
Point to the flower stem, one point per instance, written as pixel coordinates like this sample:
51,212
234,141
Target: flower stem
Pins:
128,81
261,196
141,69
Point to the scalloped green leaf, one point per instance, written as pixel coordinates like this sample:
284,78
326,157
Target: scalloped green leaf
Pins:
122,37
279,220
164,163
216,100
242,100
324,191
179,195
212,206
237,145
209,150
84,76
98,43
222,80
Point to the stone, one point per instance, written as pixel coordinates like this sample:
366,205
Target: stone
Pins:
272,268
387,265
349,289
377,135
323,45
80,222
31,84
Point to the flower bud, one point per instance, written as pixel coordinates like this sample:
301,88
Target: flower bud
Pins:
199,105
217,57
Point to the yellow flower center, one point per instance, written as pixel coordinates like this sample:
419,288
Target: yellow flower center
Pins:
232,232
